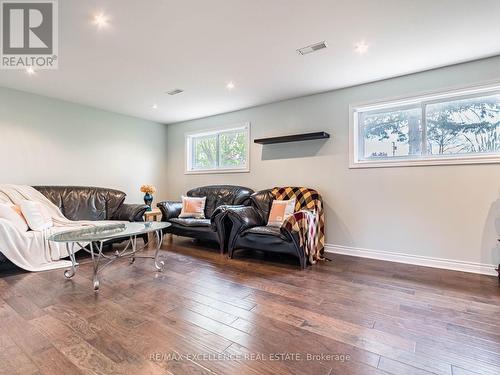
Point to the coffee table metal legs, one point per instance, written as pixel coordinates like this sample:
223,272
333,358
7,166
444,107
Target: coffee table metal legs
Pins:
96,254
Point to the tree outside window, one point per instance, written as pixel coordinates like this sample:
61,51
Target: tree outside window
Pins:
219,150
444,128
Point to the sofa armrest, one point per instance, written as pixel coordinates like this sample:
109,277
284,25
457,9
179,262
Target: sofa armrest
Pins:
244,217
289,234
130,212
169,209
221,224
290,222
241,218
219,214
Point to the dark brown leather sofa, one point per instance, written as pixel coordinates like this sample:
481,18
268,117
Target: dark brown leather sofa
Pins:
213,227
249,229
91,203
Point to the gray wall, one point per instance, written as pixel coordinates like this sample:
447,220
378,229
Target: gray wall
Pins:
48,141
449,212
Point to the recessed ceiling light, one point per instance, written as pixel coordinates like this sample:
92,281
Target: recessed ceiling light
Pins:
175,91
154,106
230,85
361,47
312,48
101,20
30,71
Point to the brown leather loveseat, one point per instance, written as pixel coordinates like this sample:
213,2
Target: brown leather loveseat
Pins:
212,228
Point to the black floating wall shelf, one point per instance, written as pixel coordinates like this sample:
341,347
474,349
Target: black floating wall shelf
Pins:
293,138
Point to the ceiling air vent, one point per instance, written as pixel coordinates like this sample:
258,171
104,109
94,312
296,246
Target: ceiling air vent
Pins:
175,92
312,48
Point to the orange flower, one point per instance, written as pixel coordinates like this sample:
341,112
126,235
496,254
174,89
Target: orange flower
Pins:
148,189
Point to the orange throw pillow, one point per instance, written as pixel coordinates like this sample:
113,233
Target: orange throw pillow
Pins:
193,207
280,211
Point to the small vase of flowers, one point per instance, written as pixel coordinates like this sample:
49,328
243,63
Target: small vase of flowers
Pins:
148,191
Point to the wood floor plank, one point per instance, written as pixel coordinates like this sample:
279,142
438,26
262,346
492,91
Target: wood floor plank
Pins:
13,360
484,335
438,352
398,368
340,312
74,320
22,332
53,362
23,305
460,371
296,338
415,330
353,334
74,347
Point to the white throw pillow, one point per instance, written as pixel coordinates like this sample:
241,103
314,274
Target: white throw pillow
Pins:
36,215
193,207
13,214
280,211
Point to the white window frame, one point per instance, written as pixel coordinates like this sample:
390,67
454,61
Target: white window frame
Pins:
421,100
188,152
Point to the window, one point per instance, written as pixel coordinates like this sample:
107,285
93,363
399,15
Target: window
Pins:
225,150
457,127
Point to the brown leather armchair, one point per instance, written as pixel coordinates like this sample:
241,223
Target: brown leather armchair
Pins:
249,230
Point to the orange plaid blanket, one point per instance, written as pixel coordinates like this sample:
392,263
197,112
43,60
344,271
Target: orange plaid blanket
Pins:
308,221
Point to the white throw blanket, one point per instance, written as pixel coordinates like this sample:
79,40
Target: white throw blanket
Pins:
32,250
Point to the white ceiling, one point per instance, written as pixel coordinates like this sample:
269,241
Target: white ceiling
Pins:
154,46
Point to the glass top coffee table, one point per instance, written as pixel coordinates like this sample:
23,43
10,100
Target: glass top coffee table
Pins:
92,240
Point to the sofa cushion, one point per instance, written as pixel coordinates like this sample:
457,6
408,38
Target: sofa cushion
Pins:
265,231
191,222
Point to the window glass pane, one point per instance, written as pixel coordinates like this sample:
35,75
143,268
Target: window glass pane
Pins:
204,152
233,149
392,133
225,149
464,126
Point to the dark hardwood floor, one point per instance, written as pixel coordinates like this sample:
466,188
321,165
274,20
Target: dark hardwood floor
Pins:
209,315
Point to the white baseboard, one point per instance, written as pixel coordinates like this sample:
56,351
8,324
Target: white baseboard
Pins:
449,264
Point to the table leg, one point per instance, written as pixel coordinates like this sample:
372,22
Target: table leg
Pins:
96,258
159,241
149,235
70,247
133,242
